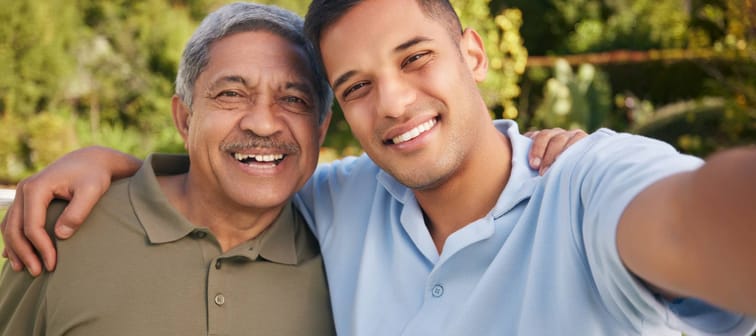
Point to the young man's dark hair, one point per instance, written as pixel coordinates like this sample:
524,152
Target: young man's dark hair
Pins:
323,13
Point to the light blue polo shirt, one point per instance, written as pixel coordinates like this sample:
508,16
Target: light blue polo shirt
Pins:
542,262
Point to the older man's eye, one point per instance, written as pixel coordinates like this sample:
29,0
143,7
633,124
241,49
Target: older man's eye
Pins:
296,104
293,100
228,94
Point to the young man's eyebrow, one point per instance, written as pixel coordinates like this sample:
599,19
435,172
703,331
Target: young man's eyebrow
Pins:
343,78
406,45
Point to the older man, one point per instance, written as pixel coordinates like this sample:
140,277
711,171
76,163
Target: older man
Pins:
212,246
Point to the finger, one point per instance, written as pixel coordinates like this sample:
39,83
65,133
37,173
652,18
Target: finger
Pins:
557,144
540,144
577,136
15,263
77,211
35,202
13,237
531,134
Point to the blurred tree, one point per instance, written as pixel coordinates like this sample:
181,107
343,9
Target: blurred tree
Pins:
128,63
36,40
576,26
507,55
36,43
296,6
575,100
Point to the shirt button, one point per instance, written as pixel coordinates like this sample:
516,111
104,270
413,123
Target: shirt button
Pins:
220,300
437,291
218,264
199,234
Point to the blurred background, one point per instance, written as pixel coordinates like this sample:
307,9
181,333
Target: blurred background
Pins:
81,72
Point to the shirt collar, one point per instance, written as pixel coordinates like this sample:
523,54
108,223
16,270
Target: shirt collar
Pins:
164,224
161,221
278,243
522,179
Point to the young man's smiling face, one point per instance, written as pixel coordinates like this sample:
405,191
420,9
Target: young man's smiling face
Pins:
408,88
252,132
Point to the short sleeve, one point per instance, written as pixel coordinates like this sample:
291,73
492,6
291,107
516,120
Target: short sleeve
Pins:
612,170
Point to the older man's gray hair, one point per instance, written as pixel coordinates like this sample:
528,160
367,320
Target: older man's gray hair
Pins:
242,17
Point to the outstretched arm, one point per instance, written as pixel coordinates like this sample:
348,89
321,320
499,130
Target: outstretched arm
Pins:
694,234
81,177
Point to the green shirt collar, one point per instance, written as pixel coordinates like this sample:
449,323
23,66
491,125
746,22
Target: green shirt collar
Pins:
164,224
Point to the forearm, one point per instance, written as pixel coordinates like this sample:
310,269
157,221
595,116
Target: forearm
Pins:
694,234
82,177
722,233
118,163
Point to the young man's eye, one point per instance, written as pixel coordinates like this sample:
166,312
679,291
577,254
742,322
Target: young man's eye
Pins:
296,104
353,89
414,58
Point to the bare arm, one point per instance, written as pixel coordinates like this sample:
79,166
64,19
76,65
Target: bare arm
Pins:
694,234
82,177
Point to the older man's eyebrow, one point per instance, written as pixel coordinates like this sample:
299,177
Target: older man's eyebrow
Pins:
226,80
299,86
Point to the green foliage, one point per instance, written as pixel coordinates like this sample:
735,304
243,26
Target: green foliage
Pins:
2,215
575,100
12,164
103,63
35,44
296,6
576,26
48,136
81,72
700,126
507,55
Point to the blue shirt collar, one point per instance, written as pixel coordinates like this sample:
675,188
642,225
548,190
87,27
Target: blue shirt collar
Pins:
521,181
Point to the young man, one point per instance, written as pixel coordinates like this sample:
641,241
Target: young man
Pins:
211,247
444,229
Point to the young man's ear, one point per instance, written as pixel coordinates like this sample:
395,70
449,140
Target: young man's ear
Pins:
474,53
181,117
323,128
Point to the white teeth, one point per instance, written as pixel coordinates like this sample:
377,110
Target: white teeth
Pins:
258,158
413,133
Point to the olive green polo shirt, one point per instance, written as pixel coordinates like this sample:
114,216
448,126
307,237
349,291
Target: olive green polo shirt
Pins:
137,267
